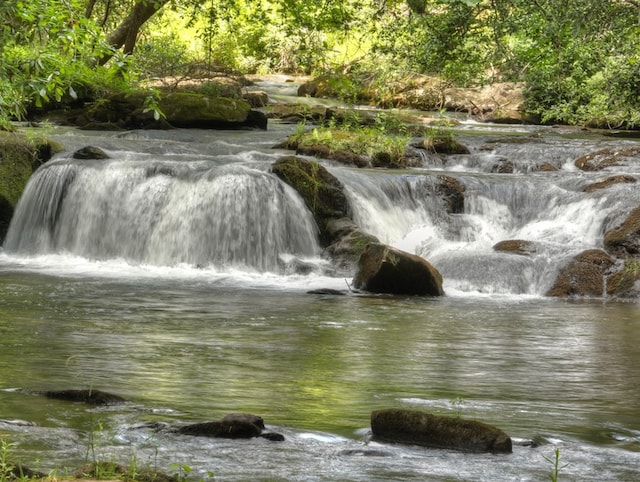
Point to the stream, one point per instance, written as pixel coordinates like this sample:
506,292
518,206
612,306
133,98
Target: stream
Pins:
165,275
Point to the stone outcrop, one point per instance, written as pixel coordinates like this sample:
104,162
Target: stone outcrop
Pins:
232,426
624,241
321,191
584,275
383,269
608,157
19,158
422,428
90,153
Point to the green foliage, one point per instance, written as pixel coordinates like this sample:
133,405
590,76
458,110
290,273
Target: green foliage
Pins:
555,465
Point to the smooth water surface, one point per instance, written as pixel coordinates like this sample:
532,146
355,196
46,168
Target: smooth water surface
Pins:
193,347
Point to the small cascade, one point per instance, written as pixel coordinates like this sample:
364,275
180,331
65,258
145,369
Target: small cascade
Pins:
554,217
163,213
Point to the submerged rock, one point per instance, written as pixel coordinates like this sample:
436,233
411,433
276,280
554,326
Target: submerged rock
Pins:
608,157
610,181
422,428
383,269
232,426
90,396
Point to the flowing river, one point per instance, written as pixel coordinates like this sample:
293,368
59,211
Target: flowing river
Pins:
165,275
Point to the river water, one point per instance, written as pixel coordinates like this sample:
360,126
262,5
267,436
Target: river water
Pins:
164,275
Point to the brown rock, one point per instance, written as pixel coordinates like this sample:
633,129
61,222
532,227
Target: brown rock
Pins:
607,157
422,428
624,241
605,183
452,191
515,246
583,275
383,269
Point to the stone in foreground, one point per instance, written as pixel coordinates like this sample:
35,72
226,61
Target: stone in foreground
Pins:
383,269
422,428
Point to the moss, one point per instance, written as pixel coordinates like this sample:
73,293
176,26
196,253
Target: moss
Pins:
20,155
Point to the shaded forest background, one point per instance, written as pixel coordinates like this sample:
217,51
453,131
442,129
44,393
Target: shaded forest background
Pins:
578,60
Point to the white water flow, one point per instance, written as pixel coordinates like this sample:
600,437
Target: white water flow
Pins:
550,212
164,214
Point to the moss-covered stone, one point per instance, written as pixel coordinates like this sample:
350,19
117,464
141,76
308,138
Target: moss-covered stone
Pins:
20,155
320,190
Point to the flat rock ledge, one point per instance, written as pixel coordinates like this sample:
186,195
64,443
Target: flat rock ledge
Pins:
421,428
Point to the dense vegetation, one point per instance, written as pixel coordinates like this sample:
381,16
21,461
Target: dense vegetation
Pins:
578,59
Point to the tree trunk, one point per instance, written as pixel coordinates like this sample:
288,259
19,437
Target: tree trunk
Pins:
126,34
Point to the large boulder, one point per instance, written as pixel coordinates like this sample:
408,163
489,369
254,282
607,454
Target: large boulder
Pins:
584,275
321,191
428,430
383,269
624,240
349,241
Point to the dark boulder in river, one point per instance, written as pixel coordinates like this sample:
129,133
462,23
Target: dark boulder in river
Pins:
232,426
383,269
90,396
434,431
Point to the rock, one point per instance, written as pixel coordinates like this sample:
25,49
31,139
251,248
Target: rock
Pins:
232,426
452,191
19,158
624,241
502,166
608,157
341,156
610,181
348,242
584,275
90,152
180,109
321,191
444,144
383,269
500,102
422,428
625,283
327,291
515,246
256,98
90,396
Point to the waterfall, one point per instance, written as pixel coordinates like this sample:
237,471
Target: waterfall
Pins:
163,213
551,213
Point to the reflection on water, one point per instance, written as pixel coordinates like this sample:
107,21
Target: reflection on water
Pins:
185,349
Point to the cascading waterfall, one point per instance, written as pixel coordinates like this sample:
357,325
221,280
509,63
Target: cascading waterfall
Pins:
163,213
555,216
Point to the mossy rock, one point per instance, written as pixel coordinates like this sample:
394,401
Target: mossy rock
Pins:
321,191
20,156
185,109
624,241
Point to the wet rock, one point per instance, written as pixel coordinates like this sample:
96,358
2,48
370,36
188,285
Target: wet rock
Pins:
625,283
422,428
452,191
89,153
502,166
610,181
444,144
327,291
232,426
546,167
90,396
383,269
609,157
624,241
341,156
321,191
584,275
348,242
515,246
